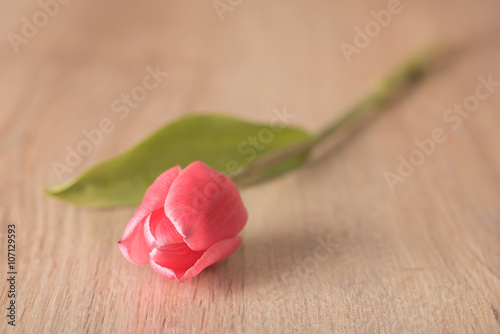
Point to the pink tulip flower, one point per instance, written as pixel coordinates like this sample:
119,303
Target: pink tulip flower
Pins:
187,221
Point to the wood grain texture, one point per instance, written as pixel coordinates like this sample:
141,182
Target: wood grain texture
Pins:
329,248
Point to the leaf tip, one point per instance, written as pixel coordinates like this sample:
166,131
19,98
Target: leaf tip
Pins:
56,190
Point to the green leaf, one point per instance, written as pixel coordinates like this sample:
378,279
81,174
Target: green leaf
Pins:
221,142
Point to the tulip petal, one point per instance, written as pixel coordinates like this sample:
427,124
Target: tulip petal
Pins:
216,253
148,234
173,259
165,272
134,247
180,262
133,244
159,230
205,206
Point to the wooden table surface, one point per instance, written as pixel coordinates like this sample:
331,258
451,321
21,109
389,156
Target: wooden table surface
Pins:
328,248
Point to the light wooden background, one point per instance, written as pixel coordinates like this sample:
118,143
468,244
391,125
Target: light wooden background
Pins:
424,259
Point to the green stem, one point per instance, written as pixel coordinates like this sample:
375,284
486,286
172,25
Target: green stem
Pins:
392,87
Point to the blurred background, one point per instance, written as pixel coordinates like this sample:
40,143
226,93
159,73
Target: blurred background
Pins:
68,65
243,57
